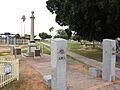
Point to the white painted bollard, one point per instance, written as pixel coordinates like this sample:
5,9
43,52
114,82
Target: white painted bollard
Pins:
15,41
109,59
58,62
8,40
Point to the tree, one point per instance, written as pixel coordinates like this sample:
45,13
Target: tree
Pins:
69,33
90,19
51,29
44,35
23,18
18,35
61,34
76,38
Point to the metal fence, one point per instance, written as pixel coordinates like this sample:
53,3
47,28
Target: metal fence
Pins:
9,71
12,40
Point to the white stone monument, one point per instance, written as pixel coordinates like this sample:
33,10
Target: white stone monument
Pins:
31,44
32,26
109,59
58,62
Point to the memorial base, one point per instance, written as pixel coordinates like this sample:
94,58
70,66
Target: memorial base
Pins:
31,48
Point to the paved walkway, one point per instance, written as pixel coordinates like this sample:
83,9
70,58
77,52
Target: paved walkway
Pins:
91,62
76,79
88,61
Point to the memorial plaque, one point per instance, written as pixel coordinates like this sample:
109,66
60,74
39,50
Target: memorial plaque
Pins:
8,69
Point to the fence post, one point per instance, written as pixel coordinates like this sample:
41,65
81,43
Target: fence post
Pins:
42,48
17,60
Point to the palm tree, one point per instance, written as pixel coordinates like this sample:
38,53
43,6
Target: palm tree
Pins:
23,20
51,29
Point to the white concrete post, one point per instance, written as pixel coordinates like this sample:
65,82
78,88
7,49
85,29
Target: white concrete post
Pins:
12,47
15,41
8,39
109,59
58,62
17,64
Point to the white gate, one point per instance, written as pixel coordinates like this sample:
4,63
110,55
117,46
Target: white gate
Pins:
9,71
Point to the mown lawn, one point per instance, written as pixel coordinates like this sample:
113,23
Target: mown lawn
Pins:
46,49
4,53
93,53
24,48
90,52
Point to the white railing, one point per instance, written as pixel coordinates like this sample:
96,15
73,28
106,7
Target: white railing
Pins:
9,71
45,45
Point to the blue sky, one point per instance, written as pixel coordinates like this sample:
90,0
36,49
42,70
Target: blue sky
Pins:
13,10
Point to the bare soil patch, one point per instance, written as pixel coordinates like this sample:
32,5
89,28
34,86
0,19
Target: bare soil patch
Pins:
30,79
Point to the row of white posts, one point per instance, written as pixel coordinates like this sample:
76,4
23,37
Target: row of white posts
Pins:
10,41
9,71
58,62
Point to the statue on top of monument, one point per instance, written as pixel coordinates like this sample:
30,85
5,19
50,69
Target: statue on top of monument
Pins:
32,12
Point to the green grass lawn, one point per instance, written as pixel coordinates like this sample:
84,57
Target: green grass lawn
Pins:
46,49
90,52
24,48
93,53
4,53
